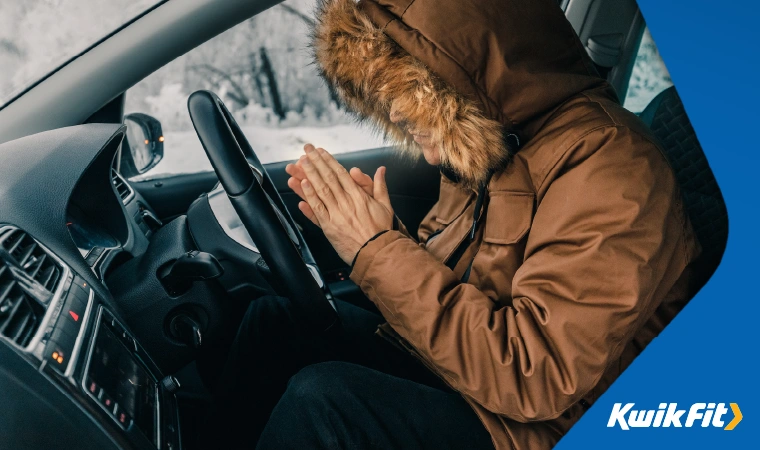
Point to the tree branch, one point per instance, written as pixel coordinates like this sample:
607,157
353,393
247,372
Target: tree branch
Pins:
309,21
239,92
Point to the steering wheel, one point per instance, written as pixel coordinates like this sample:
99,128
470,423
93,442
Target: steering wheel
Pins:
261,209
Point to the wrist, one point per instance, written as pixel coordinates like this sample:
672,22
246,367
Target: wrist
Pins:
353,262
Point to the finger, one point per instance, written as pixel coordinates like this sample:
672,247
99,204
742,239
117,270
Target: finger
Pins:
323,190
295,185
363,180
308,212
299,168
308,148
344,178
331,176
298,171
321,213
295,171
381,188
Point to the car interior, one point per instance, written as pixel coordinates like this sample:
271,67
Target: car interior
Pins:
120,296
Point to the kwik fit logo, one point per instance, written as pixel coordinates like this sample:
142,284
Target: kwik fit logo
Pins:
668,415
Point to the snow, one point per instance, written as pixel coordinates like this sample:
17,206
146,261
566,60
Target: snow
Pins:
37,36
649,76
262,70
183,152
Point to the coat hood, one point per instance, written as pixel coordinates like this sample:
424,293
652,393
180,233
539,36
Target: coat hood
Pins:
469,71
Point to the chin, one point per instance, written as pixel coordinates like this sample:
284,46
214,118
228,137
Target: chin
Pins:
432,156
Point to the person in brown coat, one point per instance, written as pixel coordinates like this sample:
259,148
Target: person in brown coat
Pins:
559,247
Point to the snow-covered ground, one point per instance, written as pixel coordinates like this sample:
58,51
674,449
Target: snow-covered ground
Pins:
183,152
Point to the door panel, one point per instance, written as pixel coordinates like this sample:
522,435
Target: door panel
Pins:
170,197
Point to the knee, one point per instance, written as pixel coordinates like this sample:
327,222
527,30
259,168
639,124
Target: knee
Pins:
313,397
318,384
319,392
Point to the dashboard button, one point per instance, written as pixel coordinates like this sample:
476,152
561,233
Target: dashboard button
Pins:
92,387
65,335
79,281
64,343
59,350
70,322
64,325
123,418
79,295
108,402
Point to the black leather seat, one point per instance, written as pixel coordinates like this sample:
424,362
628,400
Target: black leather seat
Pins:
704,203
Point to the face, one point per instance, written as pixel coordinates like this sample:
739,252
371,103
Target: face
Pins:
423,137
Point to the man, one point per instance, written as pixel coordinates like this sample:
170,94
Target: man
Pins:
558,248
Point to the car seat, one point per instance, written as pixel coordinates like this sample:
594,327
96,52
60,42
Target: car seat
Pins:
703,201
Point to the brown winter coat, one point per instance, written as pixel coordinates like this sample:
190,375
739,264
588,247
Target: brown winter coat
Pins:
581,253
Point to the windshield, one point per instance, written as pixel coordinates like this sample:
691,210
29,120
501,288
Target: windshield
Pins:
38,36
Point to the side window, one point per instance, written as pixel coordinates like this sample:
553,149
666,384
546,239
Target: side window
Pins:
649,76
262,70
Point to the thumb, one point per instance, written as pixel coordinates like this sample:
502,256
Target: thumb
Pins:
381,188
363,180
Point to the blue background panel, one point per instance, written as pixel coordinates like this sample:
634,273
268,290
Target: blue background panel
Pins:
709,353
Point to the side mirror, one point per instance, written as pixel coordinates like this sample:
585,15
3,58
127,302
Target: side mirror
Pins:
145,140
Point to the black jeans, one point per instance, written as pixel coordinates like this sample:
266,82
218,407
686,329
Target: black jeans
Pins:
284,388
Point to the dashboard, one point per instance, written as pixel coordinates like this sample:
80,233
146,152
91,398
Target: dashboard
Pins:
92,323
70,363
87,234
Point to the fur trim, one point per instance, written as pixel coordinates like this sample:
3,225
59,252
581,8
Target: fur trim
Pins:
371,72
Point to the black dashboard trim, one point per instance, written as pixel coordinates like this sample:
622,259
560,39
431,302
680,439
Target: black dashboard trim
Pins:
83,384
41,172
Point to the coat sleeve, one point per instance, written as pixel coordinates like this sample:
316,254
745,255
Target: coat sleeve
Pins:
401,228
605,245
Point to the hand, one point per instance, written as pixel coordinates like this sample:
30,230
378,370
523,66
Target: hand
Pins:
347,214
297,175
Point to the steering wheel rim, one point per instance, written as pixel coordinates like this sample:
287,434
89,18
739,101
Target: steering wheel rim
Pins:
260,208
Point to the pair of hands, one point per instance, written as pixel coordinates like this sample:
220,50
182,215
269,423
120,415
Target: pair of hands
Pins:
350,207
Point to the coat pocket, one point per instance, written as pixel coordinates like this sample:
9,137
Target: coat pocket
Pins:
508,217
452,203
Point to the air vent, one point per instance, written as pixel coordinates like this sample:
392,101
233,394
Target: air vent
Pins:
29,278
122,187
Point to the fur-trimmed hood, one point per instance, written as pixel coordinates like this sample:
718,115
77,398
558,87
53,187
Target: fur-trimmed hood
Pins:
468,71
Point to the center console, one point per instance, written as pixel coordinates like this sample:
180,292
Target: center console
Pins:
116,378
52,319
113,376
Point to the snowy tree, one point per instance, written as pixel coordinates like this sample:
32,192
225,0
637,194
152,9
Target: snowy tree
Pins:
649,76
37,36
261,68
